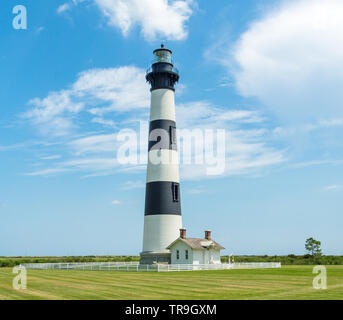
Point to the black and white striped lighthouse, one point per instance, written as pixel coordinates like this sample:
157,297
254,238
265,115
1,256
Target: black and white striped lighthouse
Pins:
162,219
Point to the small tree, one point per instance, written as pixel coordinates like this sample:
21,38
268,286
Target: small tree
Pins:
313,247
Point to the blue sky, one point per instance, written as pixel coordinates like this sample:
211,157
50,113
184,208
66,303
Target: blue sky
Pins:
268,72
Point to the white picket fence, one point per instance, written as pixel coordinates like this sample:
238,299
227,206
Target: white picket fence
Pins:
135,266
223,266
87,266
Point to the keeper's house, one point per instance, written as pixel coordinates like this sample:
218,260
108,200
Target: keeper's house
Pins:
195,251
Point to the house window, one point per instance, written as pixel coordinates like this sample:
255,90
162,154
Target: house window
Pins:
177,254
176,192
186,254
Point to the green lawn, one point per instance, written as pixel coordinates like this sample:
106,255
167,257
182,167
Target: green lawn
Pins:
290,282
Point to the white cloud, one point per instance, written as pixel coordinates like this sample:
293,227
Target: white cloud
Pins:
200,113
48,172
119,91
93,166
291,59
96,91
68,6
94,144
105,122
247,150
12,147
63,7
129,185
157,18
48,113
124,88
196,191
316,163
40,29
115,202
52,157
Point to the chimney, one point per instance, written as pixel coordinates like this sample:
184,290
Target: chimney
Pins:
183,233
208,234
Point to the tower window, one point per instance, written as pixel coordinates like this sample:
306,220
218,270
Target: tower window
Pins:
172,135
177,254
186,254
176,192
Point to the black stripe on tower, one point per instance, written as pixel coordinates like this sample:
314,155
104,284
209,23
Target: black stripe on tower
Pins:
163,75
162,197
162,135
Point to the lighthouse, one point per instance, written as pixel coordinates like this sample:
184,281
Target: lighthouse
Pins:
162,215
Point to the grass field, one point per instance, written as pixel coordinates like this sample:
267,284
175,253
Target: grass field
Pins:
290,282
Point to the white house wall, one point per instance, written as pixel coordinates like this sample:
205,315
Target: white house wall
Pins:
216,256
194,256
182,247
198,257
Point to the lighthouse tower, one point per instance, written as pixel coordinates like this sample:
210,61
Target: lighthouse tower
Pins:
162,220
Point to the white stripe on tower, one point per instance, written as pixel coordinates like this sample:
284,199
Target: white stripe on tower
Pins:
162,219
167,170
162,105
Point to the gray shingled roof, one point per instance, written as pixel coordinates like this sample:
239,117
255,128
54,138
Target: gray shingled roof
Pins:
196,243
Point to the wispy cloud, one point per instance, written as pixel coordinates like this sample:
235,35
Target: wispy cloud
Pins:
315,163
332,187
12,147
130,185
96,92
247,149
67,6
105,122
40,29
48,172
63,7
196,191
92,166
94,144
52,157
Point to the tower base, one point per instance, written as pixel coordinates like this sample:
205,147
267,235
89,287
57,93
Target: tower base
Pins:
155,257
